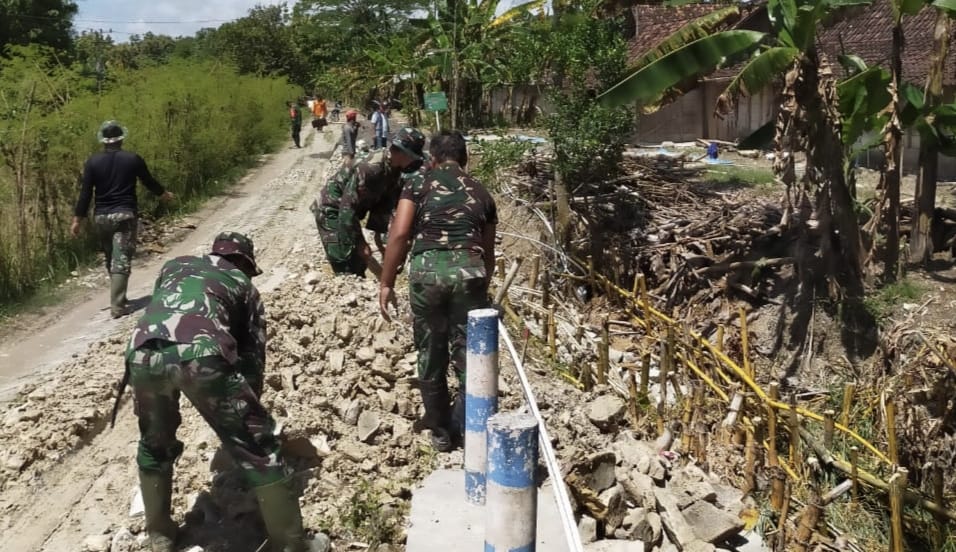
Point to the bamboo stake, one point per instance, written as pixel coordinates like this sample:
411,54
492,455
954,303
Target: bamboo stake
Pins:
828,428
793,423
645,373
636,285
633,397
665,365
750,455
897,488
604,360
745,342
938,483
720,337
848,396
508,280
854,476
546,290
891,430
808,523
500,262
773,462
910,497
686,418
730,421
535,268
552,329
836,492
784,514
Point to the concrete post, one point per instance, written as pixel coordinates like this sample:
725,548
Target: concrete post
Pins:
481,397
512,509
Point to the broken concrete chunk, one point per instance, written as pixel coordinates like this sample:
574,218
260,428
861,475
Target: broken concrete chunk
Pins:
336,361
606,411
639,486
711,524
387,400
587,528
97,543
365,355
678,529
699,546
615,546
312,278
689,492
613,498
352,412
650,530
368,424
599,470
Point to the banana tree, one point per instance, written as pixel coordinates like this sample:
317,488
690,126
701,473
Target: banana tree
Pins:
808,120
472,40
932,135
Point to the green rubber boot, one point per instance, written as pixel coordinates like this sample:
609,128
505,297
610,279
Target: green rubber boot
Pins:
283,518
118,285
157,489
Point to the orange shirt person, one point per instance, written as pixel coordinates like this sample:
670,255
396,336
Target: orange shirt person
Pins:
319,108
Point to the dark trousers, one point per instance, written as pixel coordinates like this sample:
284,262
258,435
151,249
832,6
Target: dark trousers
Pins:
295,136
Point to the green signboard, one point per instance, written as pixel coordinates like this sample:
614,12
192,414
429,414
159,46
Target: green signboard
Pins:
436,101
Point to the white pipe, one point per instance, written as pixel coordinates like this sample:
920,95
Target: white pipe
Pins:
550,459
481,398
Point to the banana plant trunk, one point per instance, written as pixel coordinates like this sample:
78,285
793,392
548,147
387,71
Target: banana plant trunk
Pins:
893,136
921,238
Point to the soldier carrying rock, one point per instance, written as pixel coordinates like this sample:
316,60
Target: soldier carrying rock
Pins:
370,187
203,335
452,219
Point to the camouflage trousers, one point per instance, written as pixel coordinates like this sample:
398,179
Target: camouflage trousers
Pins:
340,247
160,371
116,234
444,286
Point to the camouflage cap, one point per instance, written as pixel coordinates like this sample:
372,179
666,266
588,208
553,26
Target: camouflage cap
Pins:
234,243
111,132
410,141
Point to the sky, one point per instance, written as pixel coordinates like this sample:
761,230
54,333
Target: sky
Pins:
171,17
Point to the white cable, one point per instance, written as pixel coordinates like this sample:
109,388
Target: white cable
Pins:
554,469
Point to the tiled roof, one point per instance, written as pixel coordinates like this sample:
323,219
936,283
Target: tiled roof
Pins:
656,22
867,32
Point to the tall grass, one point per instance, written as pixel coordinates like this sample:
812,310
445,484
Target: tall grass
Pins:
198,124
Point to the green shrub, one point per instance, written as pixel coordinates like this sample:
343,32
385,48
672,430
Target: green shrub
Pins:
198,125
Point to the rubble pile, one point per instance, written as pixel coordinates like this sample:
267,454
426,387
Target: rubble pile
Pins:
60,412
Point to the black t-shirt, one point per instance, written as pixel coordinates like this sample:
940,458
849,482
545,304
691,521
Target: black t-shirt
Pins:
112,175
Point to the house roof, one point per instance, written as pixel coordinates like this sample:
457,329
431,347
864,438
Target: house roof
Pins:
867,31
655,22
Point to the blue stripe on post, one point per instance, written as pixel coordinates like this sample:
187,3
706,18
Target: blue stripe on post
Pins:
475,481
477,412
528,548
482,336
512,450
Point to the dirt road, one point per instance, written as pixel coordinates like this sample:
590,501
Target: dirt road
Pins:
86,492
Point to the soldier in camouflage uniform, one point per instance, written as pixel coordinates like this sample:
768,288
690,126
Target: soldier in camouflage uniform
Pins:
370,187
451,218
203,335
111,176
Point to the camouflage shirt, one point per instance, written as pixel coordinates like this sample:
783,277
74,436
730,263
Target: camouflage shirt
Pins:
451,210
211,306
355,191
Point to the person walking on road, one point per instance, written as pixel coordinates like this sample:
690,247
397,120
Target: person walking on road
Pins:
203,335
295,121
349,137
448,220
319,111
380,122
111,177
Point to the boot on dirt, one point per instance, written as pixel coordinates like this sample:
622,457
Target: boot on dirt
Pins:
283,518
435,400
118,285
157,489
